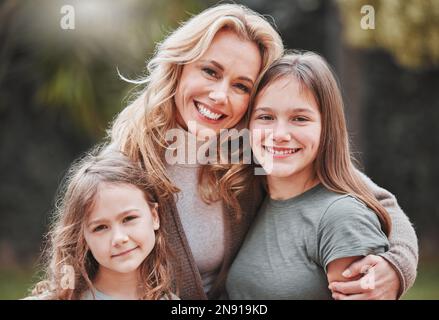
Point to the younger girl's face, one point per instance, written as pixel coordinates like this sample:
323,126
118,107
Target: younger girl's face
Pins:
120,227
285,129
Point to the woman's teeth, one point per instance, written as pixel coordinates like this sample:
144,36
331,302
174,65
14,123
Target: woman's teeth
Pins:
283,151
207,113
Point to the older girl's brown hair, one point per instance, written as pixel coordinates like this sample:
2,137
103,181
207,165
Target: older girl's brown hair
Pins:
334,164
66,243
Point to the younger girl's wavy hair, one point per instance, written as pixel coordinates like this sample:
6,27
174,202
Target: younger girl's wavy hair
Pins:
66,245
334,164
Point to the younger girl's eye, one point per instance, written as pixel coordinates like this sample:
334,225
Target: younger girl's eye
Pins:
209,71
100,228
129,218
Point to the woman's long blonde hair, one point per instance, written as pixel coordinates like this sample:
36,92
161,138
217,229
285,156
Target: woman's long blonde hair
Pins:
66,246
139,130
334,164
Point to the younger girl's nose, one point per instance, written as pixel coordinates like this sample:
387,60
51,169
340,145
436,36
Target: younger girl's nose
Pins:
119,237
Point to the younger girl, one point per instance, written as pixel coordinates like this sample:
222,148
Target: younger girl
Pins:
106,241
319,216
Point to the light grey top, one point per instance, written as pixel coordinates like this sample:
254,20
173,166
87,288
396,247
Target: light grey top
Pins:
102,296
203,224
98,296
288,248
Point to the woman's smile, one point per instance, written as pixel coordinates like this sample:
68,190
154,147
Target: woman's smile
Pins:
207,113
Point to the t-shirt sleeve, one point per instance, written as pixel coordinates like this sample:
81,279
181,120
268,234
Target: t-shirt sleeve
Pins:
349,228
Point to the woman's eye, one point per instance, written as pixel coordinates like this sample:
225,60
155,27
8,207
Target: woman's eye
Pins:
242,87
100,228
129,218
210,72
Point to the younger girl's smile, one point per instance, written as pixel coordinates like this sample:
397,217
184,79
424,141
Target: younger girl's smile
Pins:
123,253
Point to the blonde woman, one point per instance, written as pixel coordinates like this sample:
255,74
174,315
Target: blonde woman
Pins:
203,74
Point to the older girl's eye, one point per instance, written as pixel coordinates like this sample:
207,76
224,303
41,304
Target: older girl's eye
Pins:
209,71
242,87
100,228
264,117
300,119
129,218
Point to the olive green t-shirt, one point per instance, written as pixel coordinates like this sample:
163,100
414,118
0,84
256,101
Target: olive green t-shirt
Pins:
291,242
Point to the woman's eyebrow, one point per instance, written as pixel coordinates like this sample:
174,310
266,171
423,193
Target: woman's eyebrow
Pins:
215,63
219,66
246,79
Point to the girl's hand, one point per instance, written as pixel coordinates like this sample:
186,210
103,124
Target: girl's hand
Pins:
379,282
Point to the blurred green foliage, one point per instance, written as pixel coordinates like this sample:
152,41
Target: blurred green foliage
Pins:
77,69
427,283
15,284
407,29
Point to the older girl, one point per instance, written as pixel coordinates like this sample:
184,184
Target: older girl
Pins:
319,215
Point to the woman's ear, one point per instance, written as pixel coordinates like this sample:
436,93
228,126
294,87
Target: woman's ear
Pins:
155,216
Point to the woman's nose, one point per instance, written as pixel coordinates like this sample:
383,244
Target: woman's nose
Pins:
219,93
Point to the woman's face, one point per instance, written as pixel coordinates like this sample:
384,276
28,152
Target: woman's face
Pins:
285,128
120,228
213,92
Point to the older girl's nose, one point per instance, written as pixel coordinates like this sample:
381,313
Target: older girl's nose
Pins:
281,133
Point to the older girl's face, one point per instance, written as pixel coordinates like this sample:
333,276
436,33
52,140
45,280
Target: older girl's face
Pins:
285,128
214,91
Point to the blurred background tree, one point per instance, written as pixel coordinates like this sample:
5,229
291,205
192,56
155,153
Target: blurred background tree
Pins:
59,89
407,29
